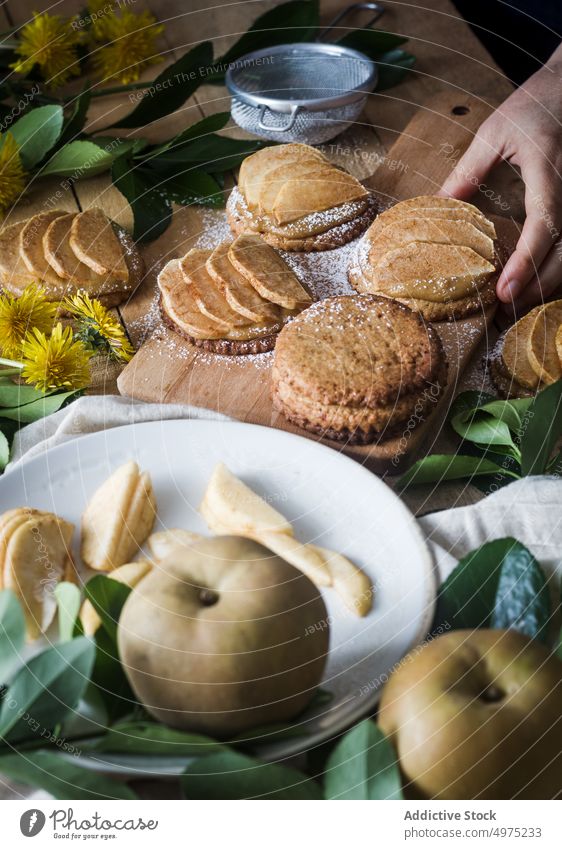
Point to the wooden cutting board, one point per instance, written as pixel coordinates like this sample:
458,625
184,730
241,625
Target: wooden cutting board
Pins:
167,369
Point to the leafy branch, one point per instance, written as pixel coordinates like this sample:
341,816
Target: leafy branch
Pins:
502,440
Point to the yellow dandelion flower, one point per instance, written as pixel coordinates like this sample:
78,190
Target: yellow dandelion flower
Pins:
58,361
98,328
19,315
12,175
129,45
49,42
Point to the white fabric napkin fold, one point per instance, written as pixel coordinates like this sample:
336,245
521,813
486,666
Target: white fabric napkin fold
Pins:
529,510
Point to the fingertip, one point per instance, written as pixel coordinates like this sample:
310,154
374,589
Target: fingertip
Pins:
508,290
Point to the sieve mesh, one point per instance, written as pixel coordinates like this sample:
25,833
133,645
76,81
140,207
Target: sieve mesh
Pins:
302,73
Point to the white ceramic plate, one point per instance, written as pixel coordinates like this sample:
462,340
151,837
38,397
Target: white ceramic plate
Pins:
330,499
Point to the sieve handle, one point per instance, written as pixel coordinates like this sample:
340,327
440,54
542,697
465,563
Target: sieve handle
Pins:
377,8
292,118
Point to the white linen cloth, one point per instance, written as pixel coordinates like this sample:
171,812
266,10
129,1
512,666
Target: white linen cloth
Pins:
529,510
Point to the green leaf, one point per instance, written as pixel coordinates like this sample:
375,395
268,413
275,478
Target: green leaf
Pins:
468,597
37,132
363,765
231,775
558,647
34,410
46,689
482,425
290,22
12,634
79,159
172,87
108,597
109,679
393,67
74,123
200,129
215,154
541,429
372,42
193,187
522,598
151,209
60,776
17,394
4,452
68,605
446,467
152,739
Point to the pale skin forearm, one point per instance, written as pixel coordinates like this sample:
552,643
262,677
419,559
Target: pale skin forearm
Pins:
526,130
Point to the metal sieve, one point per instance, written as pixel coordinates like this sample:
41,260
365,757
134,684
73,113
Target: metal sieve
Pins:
305,92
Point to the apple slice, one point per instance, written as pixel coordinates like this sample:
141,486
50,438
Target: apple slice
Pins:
541,344
118,518
238,291
238,507
304,557
423,203
255,169
268,273
208,297
514,351
276,179
31,246
36,559
351,584
432,272
324,188
178,302
94,242
434,231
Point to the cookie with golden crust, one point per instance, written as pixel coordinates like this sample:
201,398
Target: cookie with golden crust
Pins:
297,200
334,227
441,262
355,368
28,255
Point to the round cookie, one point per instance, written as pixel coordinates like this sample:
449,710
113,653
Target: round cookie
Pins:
354,368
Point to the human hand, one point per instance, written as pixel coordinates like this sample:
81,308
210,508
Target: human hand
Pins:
526,130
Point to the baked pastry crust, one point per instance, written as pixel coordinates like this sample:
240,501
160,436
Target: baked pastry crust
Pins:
481,278
297,200
25,260
195,300
355,368
356,218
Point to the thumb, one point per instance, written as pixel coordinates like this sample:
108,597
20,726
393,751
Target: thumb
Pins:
471,169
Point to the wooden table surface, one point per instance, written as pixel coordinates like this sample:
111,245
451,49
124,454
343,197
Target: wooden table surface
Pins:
449,58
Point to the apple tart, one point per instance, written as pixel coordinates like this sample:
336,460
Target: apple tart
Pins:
435,255
232,300
297,200
68,253
530,354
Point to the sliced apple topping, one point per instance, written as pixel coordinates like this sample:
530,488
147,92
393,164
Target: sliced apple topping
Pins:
268,273
118,518
229,506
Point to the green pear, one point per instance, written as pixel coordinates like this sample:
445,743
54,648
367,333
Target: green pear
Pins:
477,715
224,636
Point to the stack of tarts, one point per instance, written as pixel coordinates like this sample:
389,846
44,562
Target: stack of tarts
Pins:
233,300
70,252
297,200
530,355
436,255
